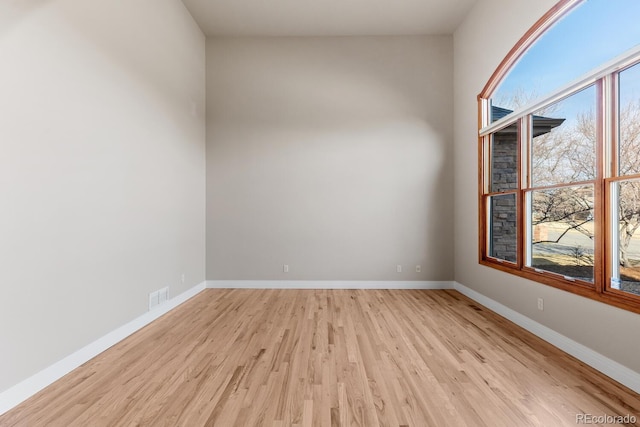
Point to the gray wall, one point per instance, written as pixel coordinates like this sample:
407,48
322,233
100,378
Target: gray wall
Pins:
331,155
102,136
606,329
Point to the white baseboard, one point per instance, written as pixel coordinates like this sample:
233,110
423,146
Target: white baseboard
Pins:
327,284
27,388
607,366
22,391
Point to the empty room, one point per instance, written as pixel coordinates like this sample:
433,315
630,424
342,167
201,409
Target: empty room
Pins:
297,213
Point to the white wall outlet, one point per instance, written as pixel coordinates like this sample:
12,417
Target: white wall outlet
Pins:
418,269
285,268
540,304
182,278
398,268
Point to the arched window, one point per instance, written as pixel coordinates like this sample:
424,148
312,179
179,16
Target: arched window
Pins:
560,153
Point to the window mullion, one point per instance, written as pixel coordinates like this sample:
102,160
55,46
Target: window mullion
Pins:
524,162
603,113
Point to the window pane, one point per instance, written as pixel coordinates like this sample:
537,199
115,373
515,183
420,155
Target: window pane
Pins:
503,227
627,205
564,141
629,122
504,159
562,227
570,48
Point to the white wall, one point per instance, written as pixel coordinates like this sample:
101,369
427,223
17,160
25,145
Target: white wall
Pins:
331,155
101,169
479,47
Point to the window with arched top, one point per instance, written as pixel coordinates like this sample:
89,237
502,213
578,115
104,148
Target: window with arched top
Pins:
559,145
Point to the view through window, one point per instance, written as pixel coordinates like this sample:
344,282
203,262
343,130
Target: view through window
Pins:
560,144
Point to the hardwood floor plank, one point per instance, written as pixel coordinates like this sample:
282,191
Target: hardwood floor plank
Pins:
328,358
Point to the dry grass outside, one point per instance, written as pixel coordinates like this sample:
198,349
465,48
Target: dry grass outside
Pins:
630,273
566,265
630,277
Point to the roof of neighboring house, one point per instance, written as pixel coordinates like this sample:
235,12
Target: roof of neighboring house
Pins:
541,124
498,112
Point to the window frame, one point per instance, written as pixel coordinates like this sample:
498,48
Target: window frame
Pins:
606,80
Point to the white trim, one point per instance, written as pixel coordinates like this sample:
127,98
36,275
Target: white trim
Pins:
20,392
328,284
607,366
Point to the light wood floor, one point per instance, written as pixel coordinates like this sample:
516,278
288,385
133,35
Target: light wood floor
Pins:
328,358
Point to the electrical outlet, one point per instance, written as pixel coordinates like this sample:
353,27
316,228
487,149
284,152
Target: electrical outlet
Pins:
540,304
418,269
182,278
399,268
285,268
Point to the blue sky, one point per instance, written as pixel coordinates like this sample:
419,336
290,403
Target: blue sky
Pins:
591,34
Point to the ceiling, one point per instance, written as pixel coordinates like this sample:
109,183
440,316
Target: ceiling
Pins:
327,17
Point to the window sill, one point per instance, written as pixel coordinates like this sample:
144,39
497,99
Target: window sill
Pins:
612,297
